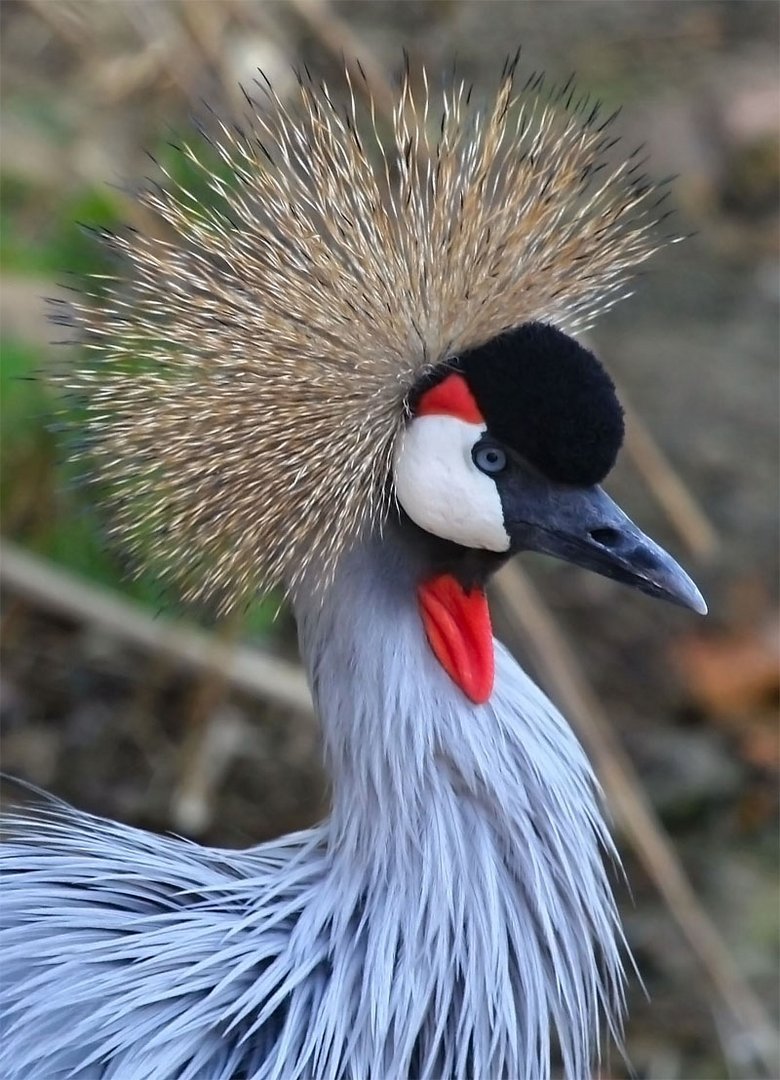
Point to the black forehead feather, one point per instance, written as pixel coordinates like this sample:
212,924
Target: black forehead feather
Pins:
548,398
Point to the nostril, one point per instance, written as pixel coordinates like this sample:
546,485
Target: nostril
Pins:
606,537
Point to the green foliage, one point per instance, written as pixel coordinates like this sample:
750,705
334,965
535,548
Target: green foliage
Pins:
49,240
44,504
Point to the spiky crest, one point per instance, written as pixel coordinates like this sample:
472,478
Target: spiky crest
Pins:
250,372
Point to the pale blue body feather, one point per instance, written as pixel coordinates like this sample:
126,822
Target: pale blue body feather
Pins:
452,918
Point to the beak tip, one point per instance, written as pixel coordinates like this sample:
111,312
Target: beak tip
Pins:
700,604
672,583
689,597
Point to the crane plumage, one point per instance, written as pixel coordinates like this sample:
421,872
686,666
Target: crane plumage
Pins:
349,378
452,912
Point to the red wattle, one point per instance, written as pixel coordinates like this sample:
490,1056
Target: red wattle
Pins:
457,625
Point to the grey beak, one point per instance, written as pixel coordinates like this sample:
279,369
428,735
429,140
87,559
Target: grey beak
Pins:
585,527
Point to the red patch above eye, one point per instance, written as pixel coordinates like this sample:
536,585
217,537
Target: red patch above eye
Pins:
450,397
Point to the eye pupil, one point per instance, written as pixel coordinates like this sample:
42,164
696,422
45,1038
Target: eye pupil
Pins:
489,459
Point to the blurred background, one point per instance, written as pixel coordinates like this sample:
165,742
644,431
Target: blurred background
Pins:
171,721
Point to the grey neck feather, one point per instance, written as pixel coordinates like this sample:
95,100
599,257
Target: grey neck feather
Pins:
450,920
472,833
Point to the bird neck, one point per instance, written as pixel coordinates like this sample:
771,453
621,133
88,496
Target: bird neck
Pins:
388,710
465,837
400,735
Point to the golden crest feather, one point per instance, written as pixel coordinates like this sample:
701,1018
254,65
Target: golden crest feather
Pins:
249,371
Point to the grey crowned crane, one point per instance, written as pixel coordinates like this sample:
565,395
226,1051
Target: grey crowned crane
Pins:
353,377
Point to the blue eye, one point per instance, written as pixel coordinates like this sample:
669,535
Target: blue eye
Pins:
489,459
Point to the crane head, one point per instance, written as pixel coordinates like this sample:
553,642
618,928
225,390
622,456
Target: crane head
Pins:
506,450
370,315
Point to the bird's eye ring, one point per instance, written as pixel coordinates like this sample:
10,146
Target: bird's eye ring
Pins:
489,459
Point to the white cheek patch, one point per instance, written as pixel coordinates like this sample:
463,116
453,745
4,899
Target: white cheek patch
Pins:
440,487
